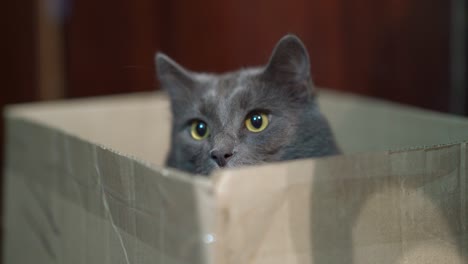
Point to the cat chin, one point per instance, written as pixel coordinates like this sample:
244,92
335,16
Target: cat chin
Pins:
215,167
236,164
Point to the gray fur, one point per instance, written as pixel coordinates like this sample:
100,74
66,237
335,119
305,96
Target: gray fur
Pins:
283,88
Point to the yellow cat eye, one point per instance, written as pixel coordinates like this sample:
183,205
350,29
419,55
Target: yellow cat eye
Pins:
199,130
256,122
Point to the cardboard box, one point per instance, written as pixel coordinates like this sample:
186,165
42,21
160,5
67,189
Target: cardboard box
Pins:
85,183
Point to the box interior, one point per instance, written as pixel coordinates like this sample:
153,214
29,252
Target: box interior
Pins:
139,124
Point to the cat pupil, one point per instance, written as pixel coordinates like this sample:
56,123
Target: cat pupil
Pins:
256,121
201,128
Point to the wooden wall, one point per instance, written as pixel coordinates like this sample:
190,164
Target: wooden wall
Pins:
397,50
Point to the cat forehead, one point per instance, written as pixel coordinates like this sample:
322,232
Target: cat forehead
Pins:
224,95
228,84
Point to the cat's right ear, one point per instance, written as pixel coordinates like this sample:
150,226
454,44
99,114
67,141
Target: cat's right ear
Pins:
289,61
175,79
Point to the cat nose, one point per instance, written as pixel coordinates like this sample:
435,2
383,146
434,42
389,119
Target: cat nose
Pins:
221,157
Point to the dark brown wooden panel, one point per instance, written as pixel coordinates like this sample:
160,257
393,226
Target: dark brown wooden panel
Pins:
110,46
19,54
390,49
398,51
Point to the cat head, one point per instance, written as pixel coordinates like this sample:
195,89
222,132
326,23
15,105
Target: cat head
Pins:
245,117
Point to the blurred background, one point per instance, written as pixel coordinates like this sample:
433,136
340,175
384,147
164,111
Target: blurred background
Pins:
413,52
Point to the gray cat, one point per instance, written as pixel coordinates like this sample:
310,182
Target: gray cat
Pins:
245,117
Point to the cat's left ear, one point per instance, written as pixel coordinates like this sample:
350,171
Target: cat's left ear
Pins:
289,62
174,78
